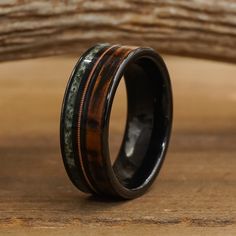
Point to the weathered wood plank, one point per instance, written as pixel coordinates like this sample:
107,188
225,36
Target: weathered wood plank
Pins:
195,193
195,28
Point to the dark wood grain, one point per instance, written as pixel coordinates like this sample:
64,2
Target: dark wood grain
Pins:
93,144
194,195
197,28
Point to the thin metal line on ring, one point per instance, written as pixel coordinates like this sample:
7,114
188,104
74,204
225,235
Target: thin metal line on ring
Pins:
79,116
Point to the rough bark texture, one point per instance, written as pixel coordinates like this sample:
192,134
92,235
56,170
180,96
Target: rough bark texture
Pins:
196,28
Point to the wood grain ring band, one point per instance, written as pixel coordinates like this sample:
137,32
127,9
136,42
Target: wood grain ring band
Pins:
85,120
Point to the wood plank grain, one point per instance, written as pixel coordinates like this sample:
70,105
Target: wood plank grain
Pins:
195,193
196,28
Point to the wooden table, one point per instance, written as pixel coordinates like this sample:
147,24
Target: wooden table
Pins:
195,193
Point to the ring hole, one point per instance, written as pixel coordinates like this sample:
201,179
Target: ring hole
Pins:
117,120
147,127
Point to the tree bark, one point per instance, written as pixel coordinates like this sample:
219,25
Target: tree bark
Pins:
197,28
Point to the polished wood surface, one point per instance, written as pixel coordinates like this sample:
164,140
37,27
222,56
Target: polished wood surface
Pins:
195,193
94,127
197,28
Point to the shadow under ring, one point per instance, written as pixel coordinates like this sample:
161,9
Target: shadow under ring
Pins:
86,114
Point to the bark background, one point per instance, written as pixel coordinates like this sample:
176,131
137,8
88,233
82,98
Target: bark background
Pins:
195,192
195,28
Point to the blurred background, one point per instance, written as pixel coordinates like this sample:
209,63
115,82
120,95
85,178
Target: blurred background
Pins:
196,187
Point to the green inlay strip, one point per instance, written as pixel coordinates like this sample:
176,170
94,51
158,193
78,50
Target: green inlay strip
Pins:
70,103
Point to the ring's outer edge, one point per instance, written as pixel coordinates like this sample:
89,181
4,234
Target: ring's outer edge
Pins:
73,166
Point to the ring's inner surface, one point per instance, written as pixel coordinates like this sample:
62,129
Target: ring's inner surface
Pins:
117,122
148,115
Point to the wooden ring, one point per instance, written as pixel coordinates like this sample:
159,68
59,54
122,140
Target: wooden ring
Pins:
85,120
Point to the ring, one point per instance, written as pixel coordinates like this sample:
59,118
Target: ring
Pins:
85,116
